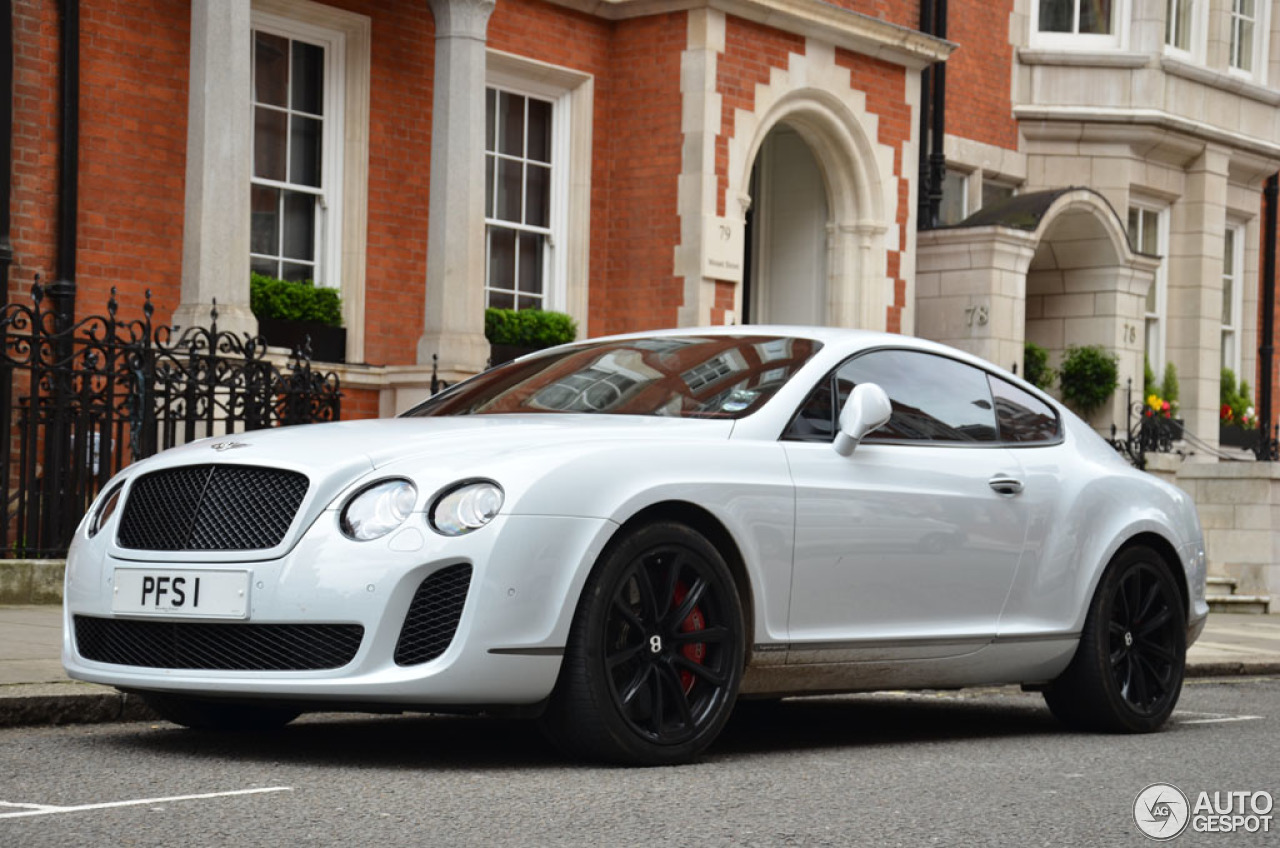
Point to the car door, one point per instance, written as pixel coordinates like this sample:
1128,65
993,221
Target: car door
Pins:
908,547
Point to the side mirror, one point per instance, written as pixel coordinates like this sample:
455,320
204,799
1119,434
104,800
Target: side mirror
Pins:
867,409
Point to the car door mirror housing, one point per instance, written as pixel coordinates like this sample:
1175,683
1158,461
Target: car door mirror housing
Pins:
868,408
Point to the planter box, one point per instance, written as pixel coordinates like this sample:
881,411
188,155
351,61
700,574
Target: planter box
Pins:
500,354
1235,436
328,344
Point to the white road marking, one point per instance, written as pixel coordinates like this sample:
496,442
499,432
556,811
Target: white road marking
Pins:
1213,718
48,810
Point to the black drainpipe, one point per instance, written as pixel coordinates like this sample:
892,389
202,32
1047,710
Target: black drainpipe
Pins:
1267,447
6,144
923,220
63,291
933,120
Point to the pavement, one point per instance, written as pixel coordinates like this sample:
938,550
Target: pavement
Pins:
35,690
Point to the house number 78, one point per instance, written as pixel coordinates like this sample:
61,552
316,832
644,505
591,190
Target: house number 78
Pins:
976,315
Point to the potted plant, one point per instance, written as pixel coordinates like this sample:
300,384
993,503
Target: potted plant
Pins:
1088,377
1237,420
1035,366
515,332
290,312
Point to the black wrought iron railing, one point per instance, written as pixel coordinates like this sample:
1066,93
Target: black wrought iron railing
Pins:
81,402
1146,431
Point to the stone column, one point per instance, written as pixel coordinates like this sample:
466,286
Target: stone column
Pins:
1194,305
454,321
215,234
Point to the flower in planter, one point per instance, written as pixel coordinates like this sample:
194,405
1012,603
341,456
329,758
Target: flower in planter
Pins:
1157,407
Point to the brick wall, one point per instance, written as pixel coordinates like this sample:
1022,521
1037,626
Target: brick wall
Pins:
33,204
979,82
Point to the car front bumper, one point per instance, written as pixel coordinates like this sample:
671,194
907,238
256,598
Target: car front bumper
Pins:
526,575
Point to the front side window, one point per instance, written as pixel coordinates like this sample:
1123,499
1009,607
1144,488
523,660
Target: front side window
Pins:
935,399
289,137
518,199
680,377
1023,417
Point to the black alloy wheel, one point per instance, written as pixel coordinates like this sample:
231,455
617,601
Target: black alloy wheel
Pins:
652,669
1127,673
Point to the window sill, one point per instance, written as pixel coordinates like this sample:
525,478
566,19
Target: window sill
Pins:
1083,58
1222,81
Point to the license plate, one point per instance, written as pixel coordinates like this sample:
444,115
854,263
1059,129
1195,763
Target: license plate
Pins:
204,593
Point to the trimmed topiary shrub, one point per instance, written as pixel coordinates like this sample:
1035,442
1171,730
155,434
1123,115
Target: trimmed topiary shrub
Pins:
1088,377
294,301
1035,366
531,328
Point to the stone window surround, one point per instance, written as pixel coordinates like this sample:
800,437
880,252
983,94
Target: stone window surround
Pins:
328,233
572,95
351,35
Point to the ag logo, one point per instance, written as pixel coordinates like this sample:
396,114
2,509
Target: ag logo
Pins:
1161,811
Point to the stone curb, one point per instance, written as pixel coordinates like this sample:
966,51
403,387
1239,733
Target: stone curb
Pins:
29,704
1235,668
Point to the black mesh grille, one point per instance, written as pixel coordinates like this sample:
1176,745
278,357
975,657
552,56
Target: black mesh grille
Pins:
211,508
433,615
224,647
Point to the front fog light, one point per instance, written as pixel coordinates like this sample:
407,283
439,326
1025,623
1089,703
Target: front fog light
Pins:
467,507
378,509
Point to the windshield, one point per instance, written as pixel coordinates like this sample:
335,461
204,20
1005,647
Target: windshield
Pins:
675,376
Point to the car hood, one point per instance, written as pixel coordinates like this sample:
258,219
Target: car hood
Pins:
326,450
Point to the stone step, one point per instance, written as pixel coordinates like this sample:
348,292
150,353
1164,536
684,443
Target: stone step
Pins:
1248,604
1216,584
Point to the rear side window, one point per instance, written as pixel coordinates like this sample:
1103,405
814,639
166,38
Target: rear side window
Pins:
1023,418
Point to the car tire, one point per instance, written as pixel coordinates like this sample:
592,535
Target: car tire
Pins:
655,654
1127,672
202,714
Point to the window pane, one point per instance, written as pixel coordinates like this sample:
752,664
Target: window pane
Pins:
490,164
270,69
1244,54
296,272
934,398
304,147
511,124
1095,17
531,263
1055,15
993,193
509,173
1178,24
490,117
1022,416
1150,232
308,78
954,189
502,258
539,130
264,232
299,225
260,265
270,131
538,201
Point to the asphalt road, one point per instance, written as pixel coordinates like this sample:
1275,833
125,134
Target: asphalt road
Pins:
987,767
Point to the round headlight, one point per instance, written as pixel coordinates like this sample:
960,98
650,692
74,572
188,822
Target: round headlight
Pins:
104,512
378,509
467,507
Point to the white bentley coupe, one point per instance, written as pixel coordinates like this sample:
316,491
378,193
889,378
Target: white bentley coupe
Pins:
623,537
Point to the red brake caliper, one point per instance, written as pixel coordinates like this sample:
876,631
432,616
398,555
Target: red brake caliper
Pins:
693,651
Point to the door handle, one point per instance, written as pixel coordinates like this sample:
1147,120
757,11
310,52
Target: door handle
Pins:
1006,485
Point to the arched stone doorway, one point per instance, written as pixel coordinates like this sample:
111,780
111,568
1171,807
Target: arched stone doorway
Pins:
787,246
1053,267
